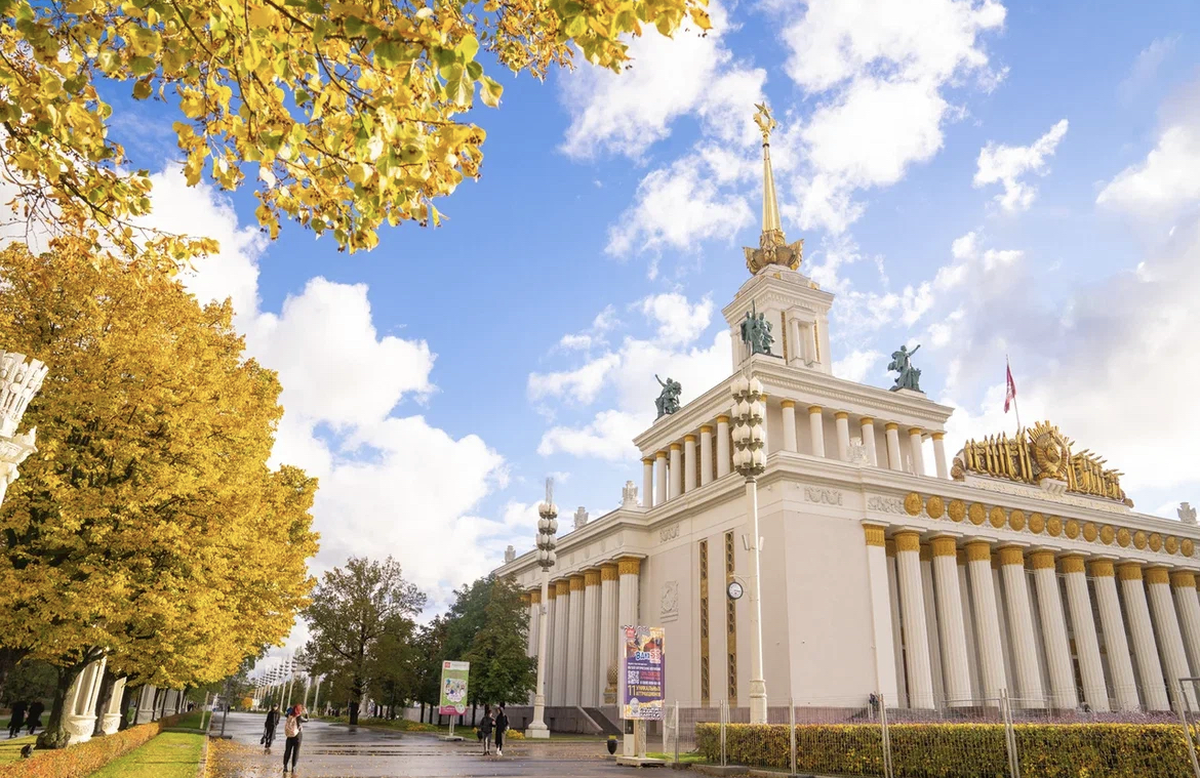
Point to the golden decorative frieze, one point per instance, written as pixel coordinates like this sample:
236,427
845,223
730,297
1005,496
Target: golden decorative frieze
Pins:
874,535
1071,529
935,507
1037,454
977,514
1054,526
1107,534
1187,547
1090,532
1129,571
997,517
912,504
907,541
1139,540
1155,541
957,510
1016,520
1042,560
1037,523
1158,575
1072,563
1183,579
944,546
1124,537
1101,568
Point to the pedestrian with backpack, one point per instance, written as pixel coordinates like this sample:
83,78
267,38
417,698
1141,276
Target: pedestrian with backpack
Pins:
293,731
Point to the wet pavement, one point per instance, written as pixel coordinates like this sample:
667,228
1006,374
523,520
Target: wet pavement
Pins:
336,750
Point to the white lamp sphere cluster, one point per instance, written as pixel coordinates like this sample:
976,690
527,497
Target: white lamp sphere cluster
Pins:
546,542
749,457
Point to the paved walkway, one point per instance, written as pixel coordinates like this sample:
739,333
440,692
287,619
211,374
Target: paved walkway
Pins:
336,750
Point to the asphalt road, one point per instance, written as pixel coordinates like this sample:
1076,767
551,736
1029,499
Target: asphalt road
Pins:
337,750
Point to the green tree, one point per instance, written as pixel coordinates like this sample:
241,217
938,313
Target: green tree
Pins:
500,669
393,665
354,608
431,648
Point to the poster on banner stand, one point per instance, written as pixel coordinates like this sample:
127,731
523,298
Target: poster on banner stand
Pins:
453,693
643,673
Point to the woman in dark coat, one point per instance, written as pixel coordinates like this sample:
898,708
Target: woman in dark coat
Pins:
34,719
485,729
501,728
269,728
17,722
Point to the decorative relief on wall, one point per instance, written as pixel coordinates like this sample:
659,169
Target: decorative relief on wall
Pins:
883,504
823,496
669,604
668,533
912,504
957,510
935,507
1021,490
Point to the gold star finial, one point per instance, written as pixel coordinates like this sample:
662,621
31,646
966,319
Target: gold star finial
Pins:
765,121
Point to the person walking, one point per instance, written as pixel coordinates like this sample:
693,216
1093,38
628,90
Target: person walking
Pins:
292,730
269,727
501,728
17,722
485,729
34,719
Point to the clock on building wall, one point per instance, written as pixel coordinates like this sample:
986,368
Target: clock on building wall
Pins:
734,590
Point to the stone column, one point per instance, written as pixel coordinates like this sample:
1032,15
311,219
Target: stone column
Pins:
1120,661
706,454
1054,632
931,626
575,640
901,700
1020,624
630,569
939,454
918,455
1170,641
881,614
893,446
660,478
789,424
1150,672
1183,584
589,685
951,631
842,422
964,593
912,606
724,463
689,463
608,623
112,714
551,631
868,439
1083,627
676,472
145,706
79,715
562,606
816,426
647,482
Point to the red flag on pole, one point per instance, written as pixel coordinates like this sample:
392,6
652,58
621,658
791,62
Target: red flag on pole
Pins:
1010,394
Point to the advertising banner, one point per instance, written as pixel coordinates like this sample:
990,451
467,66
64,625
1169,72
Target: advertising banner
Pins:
643,673
454,688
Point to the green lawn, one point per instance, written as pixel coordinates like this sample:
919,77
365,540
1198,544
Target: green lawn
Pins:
10,750
169,755
197,719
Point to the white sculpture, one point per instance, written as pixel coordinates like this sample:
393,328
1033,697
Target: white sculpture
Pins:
1187,514
510,554
19,382
857,453
581,518
629,495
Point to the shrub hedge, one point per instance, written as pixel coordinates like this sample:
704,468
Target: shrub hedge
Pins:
959,750
86,758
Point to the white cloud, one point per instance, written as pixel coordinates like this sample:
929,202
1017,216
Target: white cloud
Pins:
1007,164
679,321
677,207
580,385
1167,182
593,336
670,77
856,365
608,436
1145,67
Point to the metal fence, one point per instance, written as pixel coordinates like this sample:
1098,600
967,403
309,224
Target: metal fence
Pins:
997,737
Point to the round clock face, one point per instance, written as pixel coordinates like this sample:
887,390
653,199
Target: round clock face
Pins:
734,590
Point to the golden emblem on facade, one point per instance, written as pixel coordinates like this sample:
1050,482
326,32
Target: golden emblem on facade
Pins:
1072,529
935,507
997,517
1054,526
977,513
912,504
1107,534
1155,541
1037,523
1016,519
1090,532
1037,454
1186,547
1123,537
957,510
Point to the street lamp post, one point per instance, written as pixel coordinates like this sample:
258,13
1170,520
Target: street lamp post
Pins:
547,527
750,459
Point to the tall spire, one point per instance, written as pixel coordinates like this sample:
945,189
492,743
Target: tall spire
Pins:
773,248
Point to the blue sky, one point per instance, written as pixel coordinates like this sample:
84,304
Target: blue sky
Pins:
980,178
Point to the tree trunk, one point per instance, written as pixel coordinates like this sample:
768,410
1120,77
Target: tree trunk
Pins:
103,700
353,710
127,696
55,734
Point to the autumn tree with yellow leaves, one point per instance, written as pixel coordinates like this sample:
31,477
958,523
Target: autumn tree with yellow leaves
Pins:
147,527
345,115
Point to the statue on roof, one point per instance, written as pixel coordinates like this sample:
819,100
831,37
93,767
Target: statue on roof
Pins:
756,331
910,376
668,401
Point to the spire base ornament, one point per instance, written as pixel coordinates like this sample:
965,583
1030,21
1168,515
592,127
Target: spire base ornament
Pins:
773,248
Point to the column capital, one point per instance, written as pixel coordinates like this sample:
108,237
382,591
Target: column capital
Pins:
979,551
535,596
577,582
608,571
1183,579
915,431
841,416
629,565
937,435
1101,568
677,447
551,591
787,403
562,587
660,455
1158,575
722,419
1041,560
874,535
814,409
647,460
1072,563
864,420
705,428
591,577
907,540
944,545
689,438
1011,555
1129,571
891,426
